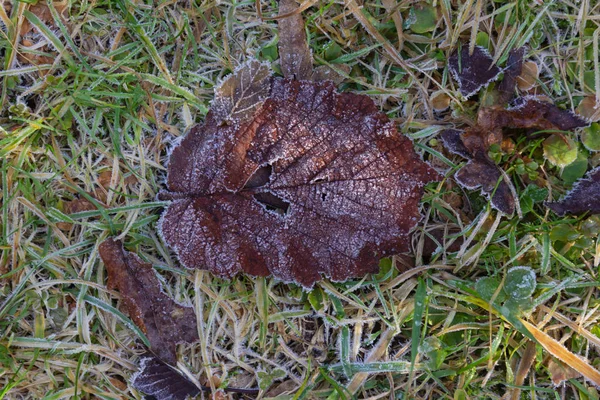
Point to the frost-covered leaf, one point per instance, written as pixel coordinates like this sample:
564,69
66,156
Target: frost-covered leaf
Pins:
241,93
520,282
155,378
480,172
164,322
294,54
531,112
560,150
472,71
315,182
584,197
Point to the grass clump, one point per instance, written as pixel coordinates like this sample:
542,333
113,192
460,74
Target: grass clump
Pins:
94,93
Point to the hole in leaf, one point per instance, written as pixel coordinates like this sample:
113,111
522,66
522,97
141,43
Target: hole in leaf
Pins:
272,203
260,177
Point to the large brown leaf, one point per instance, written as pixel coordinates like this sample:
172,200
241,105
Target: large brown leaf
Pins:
164,322
314,182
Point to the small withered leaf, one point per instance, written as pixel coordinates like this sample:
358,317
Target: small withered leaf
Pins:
583,198
315,182
164,322
480,172
158,379
241,93
472,71
294,53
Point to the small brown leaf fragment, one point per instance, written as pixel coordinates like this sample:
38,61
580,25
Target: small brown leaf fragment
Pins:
315,182
41,10
294,54
583,198
560,372
528,77
74,206
158,379
440,100
531,113
164,322
472,71
589,109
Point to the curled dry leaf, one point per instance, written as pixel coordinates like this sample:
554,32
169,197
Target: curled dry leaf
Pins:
472,71
164,322
313,182
583,198
481,172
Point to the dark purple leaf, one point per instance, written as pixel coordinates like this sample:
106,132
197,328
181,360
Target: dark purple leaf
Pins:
158,379
314,182
472,71
512,71
583,198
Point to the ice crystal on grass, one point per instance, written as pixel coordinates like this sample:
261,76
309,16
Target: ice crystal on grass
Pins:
312,182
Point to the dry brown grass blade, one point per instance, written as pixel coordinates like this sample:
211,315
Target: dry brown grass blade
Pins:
563,354
524,367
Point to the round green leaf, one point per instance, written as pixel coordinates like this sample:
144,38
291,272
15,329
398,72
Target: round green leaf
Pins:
576,169
486,287
520,282
560,150
421,18
591,137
